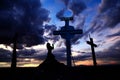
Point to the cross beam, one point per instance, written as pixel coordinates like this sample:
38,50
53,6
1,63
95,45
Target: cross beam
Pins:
93,51
67,32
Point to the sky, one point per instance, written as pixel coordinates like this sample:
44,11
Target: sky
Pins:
35,20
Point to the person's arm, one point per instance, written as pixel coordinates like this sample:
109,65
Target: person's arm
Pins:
53,46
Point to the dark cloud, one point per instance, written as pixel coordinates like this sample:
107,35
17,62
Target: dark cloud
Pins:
113,35
112,53
82,57
40,57
5,55
5,4
112,17
75,39
108,17
106,4
24,17
41,54
77,6
49,31
60,54
66,2
26,53
31,54
80,21
110,12
60,13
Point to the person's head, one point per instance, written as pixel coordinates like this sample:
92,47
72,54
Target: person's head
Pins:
48,44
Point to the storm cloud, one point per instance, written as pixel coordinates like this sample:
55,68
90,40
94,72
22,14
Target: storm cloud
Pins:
66,2
110,12
112,53
48,33
24,17
5,55
77,6
107,18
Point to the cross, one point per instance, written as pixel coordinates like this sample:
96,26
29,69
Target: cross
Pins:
67,32
93,51
13,63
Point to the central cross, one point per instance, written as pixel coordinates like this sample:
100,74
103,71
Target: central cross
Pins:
67,32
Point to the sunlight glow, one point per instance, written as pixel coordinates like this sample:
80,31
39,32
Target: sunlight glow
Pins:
37,47
99,62
74,54
86,62
5,47
29,65
29,62
5,64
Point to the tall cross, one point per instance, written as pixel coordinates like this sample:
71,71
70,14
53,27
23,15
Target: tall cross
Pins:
93,51
14,55
67,32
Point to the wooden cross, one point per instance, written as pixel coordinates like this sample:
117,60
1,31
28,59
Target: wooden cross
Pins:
93,51
67,32
14,55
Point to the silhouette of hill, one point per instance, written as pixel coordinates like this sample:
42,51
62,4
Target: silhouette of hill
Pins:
51,69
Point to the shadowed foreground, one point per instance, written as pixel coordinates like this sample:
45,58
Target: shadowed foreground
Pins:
51,69
61,73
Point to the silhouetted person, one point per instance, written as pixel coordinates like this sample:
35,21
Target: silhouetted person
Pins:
49,48
50,60
50,67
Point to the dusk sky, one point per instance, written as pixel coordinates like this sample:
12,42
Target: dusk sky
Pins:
35,20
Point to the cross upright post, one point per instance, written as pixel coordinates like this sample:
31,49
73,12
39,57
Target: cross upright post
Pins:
66,19
93,51
67,32
14,55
